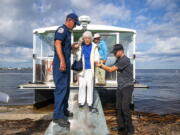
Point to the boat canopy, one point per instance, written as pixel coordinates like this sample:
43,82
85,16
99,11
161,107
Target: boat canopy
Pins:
90,27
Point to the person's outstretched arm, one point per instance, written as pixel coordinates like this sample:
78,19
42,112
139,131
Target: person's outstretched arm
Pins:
107,68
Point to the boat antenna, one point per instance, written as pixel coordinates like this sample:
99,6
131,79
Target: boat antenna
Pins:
84,20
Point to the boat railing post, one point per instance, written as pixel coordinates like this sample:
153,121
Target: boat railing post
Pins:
41,61
34,58
72,40
134,54
118,42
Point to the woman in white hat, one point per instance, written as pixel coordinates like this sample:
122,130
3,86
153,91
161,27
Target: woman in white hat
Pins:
103,53
90,56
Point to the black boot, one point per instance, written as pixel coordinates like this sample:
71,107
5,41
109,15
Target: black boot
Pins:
62,122
118,128
130,130
68,114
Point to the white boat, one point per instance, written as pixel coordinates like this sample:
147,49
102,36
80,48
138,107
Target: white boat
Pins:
43,51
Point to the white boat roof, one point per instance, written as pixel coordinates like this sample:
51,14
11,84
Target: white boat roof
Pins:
90,27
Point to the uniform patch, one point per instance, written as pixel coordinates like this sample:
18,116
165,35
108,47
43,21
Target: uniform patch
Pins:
61,30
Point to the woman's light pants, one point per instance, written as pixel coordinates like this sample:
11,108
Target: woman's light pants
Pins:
86,80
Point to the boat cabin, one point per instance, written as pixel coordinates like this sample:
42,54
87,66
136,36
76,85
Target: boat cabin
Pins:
43,51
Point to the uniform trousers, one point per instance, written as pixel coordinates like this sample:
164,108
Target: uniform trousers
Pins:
62,90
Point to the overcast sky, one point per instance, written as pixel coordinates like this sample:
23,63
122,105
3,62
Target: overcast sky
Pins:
157,23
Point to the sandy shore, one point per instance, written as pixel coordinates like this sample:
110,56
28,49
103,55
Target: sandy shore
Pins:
26,120
24,112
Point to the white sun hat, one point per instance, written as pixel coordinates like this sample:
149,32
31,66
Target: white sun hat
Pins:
97,35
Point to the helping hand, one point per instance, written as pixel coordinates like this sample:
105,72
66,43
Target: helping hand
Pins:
75,46
99,64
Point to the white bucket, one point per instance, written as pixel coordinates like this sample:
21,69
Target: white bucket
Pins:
4,97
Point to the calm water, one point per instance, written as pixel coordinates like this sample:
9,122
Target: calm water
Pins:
9,81
163,96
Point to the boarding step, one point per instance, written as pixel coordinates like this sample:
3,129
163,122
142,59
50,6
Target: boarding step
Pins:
83,122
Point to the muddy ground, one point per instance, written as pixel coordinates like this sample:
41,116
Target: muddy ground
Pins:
145,123
27,120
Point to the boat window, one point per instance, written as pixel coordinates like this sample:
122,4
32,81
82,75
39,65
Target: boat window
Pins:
126,39
110,41
47,41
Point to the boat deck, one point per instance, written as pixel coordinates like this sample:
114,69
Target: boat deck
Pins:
51,86
83,122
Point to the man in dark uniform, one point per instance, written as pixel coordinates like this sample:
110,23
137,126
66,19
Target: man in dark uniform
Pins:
61,70
125,88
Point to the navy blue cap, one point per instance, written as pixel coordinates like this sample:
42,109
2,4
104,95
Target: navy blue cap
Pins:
117,47
74,17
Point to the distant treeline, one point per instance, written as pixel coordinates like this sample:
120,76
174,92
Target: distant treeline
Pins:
28,68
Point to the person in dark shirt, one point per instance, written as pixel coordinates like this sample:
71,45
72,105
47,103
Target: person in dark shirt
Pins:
125,88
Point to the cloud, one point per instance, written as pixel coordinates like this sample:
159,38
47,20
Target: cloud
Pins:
15,54
161,40
110,11
164,51
102,12
21,17
167,4
168,46
141,18
154,31
168,27
82,4
4,51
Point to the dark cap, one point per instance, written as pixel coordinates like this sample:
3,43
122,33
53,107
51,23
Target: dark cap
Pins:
74,17
117,47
